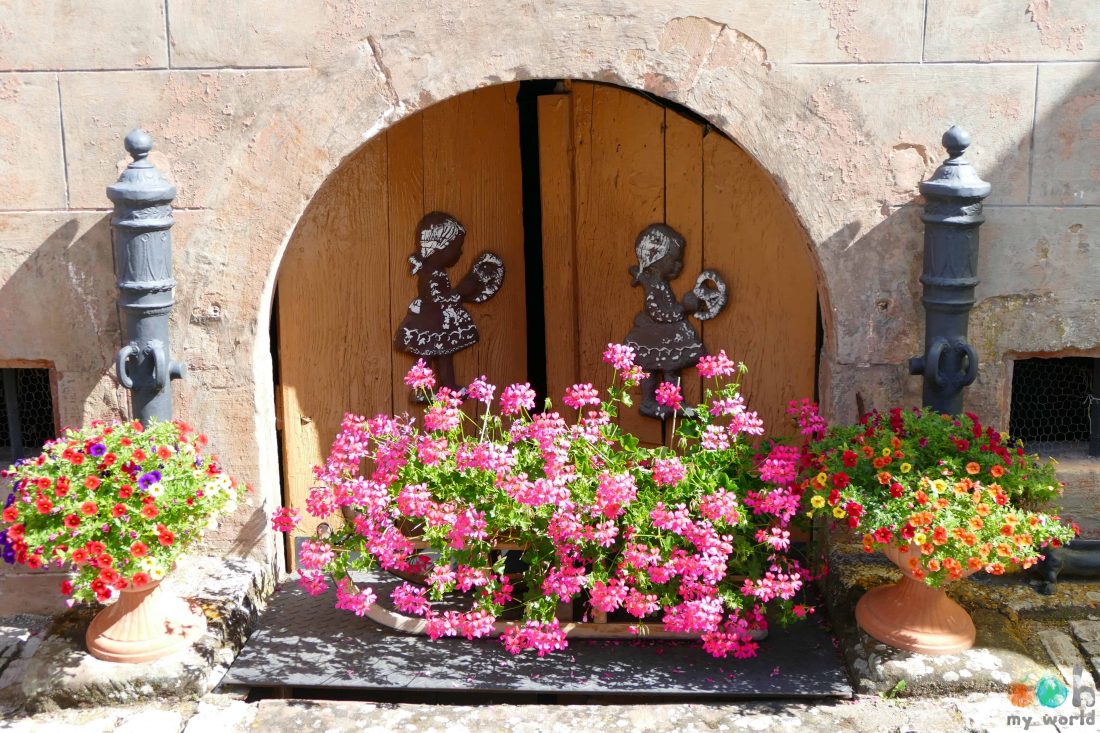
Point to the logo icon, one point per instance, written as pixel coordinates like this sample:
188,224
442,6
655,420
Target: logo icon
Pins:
1051,692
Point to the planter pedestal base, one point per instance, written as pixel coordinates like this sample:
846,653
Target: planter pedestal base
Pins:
913,616
145,624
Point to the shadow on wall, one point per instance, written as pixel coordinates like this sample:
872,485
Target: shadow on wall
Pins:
59,306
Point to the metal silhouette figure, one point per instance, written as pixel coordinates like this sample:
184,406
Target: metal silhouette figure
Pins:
437,325
664,341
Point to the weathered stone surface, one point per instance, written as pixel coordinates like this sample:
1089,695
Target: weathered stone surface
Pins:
833,30
1006,650
30,592
1041,250
1081,500
883,155
31,164
1062,652
868,714
230,592
882,386
195,118
1040,30
68,256
161,721
62,35
1067,134
207,33
234,715
1010,324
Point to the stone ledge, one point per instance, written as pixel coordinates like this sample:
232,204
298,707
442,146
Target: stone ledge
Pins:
1010,615
232,592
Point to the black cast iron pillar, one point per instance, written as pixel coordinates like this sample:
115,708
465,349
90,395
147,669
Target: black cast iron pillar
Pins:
952,215
143,262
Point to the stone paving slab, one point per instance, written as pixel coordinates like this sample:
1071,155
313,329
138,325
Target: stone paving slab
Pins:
1011,617
304,642
60,673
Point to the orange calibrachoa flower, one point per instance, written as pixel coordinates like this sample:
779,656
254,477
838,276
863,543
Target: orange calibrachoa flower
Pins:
938,498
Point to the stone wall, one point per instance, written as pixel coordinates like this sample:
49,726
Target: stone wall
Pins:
252,104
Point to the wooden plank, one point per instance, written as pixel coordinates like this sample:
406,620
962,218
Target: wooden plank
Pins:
684,213
472,171
753,238
333,347
405,187
620,191
558,245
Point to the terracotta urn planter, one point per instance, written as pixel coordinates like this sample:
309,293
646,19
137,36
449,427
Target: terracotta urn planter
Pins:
914,616
144,624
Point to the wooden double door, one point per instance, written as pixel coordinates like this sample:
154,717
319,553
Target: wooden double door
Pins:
609,163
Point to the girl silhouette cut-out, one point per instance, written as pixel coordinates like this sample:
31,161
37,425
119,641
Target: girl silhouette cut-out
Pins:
437,325
662,338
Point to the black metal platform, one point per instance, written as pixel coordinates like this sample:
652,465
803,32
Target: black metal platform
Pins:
304,642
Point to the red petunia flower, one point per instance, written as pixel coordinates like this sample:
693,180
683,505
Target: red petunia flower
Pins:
43,505
92,482
71,521
164,452
139,549
10,514
66,587
140,579
166,538
149,511
118,510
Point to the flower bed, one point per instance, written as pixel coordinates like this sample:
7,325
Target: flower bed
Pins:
695,536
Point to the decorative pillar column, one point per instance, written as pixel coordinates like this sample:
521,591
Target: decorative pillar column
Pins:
952,215
143,262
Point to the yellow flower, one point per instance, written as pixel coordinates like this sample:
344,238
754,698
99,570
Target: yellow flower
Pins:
906,468
817,502
920,538
939,485
886,452
822,478
839,513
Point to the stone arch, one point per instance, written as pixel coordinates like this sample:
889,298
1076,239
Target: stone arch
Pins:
301,138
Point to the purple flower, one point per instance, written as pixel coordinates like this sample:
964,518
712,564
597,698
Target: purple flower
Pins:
97,450
148,479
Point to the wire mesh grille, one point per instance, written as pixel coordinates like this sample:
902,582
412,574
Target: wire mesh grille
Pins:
1051,400
25,429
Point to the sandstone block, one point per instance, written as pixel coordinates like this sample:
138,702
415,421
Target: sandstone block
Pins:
65,258
107,34
195,118
208,33
1042,30
162,721
1067,135
886,123
1039,250
795,31
30,141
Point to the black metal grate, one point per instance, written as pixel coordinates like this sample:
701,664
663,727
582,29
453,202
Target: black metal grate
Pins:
1052,400
26,412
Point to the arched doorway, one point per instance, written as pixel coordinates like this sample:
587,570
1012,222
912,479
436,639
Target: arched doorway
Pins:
605,163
